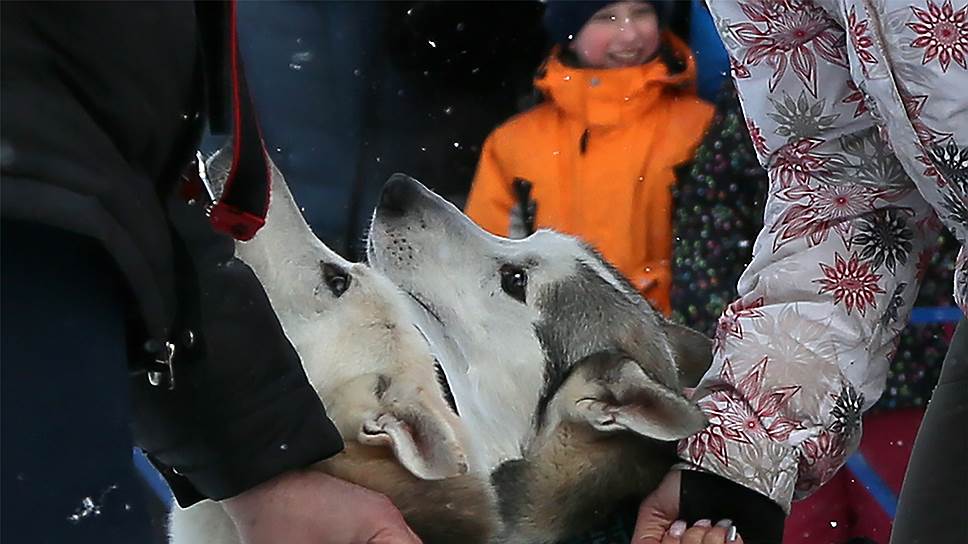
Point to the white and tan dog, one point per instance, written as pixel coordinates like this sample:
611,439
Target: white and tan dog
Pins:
376,375
568,376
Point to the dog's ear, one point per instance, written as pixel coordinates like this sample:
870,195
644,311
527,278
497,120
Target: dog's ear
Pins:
422,433
614,393
692,350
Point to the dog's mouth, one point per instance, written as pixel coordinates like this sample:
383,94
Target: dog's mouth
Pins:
445,385
427,307
438,368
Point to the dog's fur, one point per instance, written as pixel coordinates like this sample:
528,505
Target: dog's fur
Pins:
576,390
376,376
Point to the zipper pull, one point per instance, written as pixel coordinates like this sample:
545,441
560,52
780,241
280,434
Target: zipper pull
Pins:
583,142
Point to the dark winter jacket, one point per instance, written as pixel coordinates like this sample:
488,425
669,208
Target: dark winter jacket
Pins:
102,108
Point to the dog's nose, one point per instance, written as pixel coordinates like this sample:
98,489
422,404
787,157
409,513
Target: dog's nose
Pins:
398,193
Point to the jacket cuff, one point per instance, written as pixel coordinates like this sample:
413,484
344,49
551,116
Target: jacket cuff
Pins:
703,495
290,433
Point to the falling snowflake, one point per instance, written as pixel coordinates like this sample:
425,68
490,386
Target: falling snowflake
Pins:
942,33
852,282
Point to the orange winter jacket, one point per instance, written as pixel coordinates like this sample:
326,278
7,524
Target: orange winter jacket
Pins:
600,154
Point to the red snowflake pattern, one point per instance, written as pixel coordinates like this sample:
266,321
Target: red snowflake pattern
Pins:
930,170
739,70
743,412
860,38
729,325
817,210
913,105
795,163
833,202
821,457
856,95
942,33
852,282
790,33
756,135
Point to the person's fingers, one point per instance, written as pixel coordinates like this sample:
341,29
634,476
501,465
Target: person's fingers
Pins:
720,534
716,535
394,536
658,511
388,523
695,534
675,532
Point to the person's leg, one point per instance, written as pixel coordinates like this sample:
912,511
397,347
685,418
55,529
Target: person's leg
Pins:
67,472
933,505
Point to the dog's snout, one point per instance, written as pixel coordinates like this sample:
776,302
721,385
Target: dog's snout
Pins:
398,193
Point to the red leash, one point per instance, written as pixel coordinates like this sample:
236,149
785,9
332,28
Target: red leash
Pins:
241,209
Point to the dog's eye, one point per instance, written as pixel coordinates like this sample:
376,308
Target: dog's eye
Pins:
514,281
337,279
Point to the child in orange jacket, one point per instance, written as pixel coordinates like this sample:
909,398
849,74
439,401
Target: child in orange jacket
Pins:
596,159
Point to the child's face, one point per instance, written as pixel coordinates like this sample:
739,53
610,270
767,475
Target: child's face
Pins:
620,34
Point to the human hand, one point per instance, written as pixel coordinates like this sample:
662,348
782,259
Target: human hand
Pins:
657,520
702,532
309,507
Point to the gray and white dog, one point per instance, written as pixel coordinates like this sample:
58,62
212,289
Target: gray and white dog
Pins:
568,376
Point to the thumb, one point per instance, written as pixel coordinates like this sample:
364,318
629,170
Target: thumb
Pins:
651,524
393,536
658,511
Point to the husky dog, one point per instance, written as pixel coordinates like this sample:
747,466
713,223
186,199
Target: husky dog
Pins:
568,376
376,375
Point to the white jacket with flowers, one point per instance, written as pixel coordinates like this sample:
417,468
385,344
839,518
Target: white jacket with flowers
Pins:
859,111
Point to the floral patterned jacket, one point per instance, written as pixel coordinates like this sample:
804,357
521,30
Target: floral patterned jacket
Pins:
858,110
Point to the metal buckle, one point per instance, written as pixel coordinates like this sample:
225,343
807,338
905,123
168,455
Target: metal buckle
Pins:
203,176
157,377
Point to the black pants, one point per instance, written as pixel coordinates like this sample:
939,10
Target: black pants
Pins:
933,506
67,472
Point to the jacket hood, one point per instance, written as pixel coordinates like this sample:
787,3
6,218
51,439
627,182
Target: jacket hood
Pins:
604,97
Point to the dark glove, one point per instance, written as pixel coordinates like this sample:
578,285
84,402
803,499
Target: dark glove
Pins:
242,410
708,496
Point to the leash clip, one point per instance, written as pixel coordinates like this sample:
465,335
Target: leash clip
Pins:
162,372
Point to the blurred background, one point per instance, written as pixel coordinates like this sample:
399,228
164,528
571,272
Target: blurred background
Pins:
350,92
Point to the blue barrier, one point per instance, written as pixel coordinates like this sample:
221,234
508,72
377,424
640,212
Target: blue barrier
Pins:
935,314
872,481
151,476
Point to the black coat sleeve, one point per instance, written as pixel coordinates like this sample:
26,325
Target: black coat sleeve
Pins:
242,410
758,519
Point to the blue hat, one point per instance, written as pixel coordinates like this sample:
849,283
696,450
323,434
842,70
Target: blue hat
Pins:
564,18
